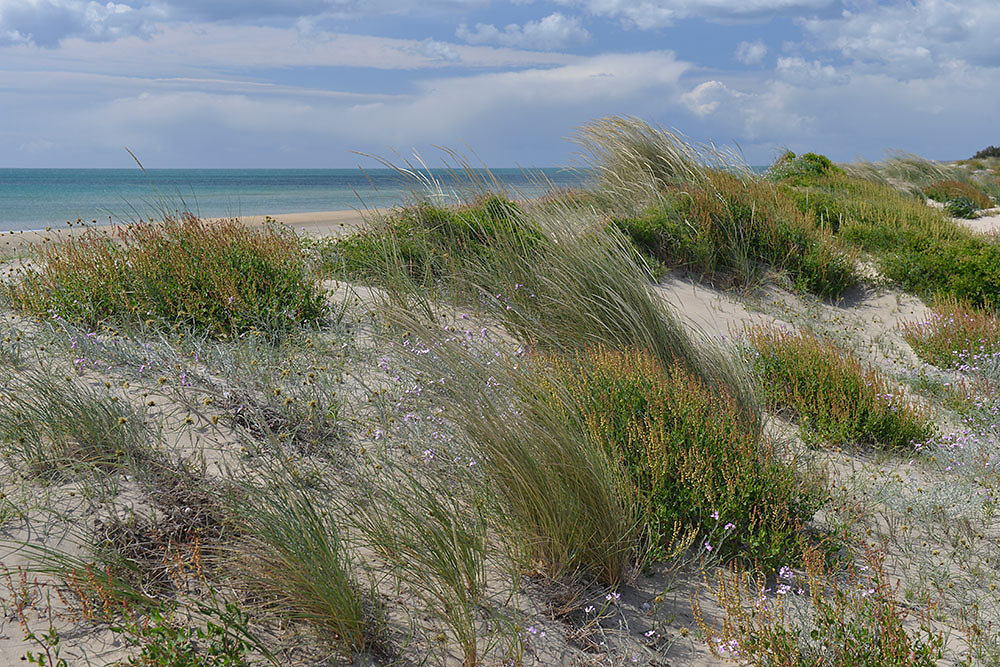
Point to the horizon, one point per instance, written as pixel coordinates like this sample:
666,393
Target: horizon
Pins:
312,84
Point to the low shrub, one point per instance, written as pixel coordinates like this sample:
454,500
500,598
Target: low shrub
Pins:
836,399
425,243
818,621
916,246
223,278
802,168
696,467
732,226
956,334
948,190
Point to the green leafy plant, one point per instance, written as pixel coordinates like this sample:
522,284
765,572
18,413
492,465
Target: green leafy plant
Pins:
164,641
837,399
698,470
223,278
961,207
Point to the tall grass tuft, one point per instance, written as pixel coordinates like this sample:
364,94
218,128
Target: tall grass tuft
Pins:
701,208
696,467
837,399
436,542
224,278
945,191
635,161
293,560
54,424
566,510
729,228
584,287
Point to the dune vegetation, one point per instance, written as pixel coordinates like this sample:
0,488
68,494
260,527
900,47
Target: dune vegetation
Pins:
496,431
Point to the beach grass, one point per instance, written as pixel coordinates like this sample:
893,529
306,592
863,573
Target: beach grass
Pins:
500,444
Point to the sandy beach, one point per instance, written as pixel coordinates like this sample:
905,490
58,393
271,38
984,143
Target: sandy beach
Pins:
317,223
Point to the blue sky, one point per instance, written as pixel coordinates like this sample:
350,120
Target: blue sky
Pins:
302,83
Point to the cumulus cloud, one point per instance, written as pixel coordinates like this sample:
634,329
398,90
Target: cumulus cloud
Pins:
751,53
809,73
555,31
47,22
435,50
911,37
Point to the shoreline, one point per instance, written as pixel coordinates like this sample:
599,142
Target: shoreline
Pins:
314,223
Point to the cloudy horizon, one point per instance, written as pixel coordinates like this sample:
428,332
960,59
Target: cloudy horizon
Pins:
303,83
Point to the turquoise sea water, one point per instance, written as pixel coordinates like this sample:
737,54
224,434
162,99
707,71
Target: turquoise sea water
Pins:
37,198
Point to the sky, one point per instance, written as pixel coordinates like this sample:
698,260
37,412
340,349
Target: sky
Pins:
308,83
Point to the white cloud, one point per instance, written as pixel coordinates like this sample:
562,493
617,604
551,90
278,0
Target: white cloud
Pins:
553,32
751,53
514,116
653,14
808,73
436,50
201,49
911,37
706,97
47,22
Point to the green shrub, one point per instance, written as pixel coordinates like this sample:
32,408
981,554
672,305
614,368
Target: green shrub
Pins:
967,269
956,333
697,468
915,245
989,151
801,169
945,191
425,243
961,207
836,399
222,278
731,225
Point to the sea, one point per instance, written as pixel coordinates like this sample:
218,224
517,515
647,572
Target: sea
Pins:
40,198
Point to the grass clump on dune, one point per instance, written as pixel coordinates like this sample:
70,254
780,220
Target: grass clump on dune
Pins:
696,467
702,209
730,226
52,424
222,278
836,399
293,559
